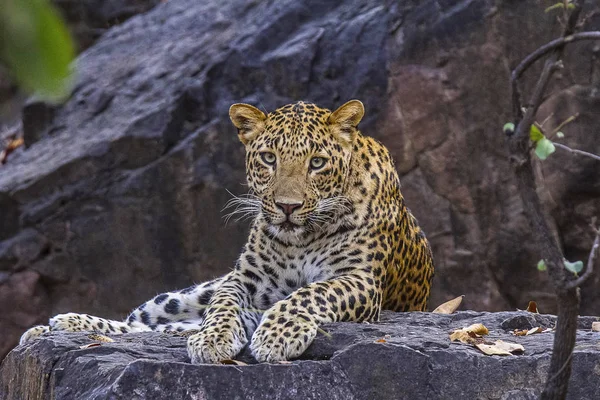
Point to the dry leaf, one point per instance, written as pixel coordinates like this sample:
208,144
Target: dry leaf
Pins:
492,350
534,330
596,326
381,341
233,362
508,346
449,307
500,348
470,334
87,346
465,337
521,332
12,146
101,338
532,307
478,329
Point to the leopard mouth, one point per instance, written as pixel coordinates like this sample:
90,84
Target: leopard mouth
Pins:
288,226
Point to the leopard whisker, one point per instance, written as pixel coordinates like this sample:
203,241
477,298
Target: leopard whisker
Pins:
245,206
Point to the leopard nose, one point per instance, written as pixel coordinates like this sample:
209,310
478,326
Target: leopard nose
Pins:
288,208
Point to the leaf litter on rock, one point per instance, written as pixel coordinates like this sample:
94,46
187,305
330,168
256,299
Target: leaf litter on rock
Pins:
470,334
473,335
500,348
527,332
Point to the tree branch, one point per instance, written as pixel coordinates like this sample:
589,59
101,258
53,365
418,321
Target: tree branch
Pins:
590,264
568,31
575,151
567,294
548,47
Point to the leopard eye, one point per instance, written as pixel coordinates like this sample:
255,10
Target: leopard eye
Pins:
268,157
317,162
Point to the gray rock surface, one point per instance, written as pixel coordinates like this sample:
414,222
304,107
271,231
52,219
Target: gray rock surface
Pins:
119,194
89,19
405,356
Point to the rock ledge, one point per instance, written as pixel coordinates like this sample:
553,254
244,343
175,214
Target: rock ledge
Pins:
406,355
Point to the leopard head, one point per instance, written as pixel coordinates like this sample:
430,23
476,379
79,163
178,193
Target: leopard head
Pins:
298,162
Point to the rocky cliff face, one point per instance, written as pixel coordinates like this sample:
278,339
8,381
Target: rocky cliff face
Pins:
119,194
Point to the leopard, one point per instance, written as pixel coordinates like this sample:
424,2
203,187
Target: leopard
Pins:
331,240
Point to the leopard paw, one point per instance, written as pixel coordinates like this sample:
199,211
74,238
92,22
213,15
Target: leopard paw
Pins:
213,345
33,333
281,337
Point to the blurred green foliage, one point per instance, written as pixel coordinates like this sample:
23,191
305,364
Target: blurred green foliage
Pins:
36,47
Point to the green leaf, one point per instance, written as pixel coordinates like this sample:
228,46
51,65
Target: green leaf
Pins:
541,265
575,267
535,134
37,47
555,6
560,135
508,128
544,148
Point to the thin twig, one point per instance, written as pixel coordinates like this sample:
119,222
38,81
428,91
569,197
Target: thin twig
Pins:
590,264
587,18
565,122
548,47
575,151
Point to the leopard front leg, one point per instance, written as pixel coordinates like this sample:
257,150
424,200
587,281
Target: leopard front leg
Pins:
227,325
221,338
289,327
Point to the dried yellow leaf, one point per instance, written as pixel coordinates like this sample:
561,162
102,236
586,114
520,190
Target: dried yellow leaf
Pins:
449,307
464,337
478,329
500,348
469,334
10,147
492,350
510,347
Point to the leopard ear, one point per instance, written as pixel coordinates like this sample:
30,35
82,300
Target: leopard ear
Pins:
249,120
345,119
